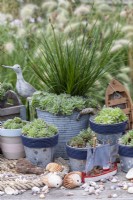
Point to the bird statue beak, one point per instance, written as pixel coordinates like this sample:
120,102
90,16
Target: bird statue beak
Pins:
7,66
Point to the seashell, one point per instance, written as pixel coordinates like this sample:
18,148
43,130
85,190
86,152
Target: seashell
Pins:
42,196
9,190
129,174
54,167
72,180
130,190
125,187
52,180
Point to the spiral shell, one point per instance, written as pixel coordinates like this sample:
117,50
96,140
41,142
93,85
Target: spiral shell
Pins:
54,167
72,180
52,180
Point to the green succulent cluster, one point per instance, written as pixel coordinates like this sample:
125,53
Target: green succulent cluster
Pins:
4,87
38,128
60,104
15,123
83,139
110,116
127,139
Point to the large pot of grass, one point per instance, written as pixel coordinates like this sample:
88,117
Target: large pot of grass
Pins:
11,142
74,67
64,112
126,151
39,140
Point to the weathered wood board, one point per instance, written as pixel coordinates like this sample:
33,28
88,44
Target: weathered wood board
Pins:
118,96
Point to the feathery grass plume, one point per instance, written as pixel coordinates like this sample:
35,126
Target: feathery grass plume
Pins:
82,10
28,11
9,47
74,69
49,6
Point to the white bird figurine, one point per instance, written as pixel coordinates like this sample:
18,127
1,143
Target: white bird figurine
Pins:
23,88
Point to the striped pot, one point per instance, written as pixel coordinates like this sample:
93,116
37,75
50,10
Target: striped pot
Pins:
68,127
11,143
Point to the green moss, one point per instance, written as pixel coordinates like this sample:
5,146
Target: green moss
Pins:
110,116
15,123
38,129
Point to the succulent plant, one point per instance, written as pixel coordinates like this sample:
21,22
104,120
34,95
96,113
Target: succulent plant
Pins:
38,128
4,87
83,139
110,116
60,104
127,139
15,123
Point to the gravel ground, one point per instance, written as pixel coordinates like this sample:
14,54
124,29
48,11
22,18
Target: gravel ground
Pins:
75,194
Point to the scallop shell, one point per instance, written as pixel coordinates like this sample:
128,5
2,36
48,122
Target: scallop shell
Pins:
52,180
54,167
72,180
9,190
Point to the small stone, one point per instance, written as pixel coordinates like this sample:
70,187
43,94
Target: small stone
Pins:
70,194
84,194
97,192
114,195
84,185
113,187
130,184
118,188
129,174
62,188
101,187
91,190
9,190
36,190
87,189
125,187
114,180
103,180
92,183
2,193
46,191
42,196
130,190
44,188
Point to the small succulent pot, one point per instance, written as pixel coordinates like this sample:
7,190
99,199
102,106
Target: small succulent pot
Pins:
108,132
77,157
11,143
40,151
126,157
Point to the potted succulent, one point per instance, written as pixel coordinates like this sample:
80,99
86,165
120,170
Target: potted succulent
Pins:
126,151
4,87
76,149
11,143
109,124
62,111
39,140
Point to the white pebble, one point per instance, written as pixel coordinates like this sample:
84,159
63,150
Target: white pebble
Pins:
70,194
103,180
125,187
35,189
114,195
44,188
87,189
97,192
2,193
84,185
84,194
114,180
42,196
130,190
91,190
92,183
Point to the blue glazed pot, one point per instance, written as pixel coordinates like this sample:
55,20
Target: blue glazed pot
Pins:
126,157
107,128
40,151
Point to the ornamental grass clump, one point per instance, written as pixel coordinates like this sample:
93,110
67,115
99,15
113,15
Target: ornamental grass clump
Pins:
110,116
83,139
15,123
60,104
38,128
74,67
127,139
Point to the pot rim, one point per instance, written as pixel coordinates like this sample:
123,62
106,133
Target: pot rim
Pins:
39,137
